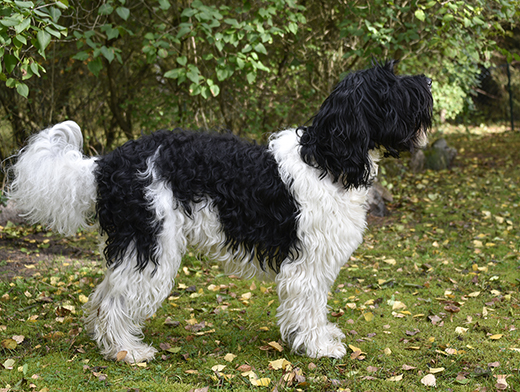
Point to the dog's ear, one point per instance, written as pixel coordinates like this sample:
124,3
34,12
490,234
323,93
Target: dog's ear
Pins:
338,141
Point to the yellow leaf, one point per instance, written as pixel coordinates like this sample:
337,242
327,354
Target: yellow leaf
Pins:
436,370
395,378
263,329
276,346
354,348
398,305
246,296
141,364
474,294
387,351
279,364
351,305
191,321
218,368
477,244
389,261
496,337
261,382
9,344
8,364
369,316
461,330
229,357
83,298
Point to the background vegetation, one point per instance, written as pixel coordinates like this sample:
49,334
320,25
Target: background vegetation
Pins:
123,67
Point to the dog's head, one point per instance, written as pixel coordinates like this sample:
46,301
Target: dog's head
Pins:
368,109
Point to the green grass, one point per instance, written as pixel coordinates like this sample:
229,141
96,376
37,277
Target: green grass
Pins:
434,288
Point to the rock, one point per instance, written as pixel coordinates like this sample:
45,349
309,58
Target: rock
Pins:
417,161
10,213
439,155
376,198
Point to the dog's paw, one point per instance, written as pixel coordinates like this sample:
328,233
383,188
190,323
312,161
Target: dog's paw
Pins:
335,332
325,343
140,354
333,349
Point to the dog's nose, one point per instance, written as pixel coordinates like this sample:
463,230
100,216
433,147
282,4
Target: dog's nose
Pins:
429,81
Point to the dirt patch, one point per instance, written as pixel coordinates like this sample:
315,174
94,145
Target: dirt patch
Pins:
26,250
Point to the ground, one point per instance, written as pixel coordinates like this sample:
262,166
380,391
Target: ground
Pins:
430,298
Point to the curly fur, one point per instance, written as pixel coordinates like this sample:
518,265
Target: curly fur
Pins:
292,211
367,110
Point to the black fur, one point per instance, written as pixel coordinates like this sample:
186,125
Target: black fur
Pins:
368,109
240,179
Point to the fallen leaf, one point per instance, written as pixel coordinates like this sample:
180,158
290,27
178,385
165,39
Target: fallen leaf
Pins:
244,368
279,364
218,368
369,316
261,382
9,344
408,367
8,364
276,346
395,378
387,351
121,355
83,298
436,370
372,369
496,337
461,330
229,357
429,380
398,305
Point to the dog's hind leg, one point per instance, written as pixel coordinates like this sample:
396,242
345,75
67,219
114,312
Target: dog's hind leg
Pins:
302,314
119,306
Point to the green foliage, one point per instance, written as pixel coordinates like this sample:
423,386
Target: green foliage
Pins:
26,29
448,39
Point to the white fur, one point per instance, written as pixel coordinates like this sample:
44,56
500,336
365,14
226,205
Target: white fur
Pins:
53,183
330,227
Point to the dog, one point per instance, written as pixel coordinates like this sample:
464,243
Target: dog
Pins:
292,211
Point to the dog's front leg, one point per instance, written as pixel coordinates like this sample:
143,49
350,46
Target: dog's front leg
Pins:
302,315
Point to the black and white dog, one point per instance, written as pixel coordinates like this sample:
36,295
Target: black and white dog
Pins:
292,211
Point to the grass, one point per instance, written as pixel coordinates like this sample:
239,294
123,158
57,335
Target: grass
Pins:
431,293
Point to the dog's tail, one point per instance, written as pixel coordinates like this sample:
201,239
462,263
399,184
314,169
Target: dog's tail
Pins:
54,184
